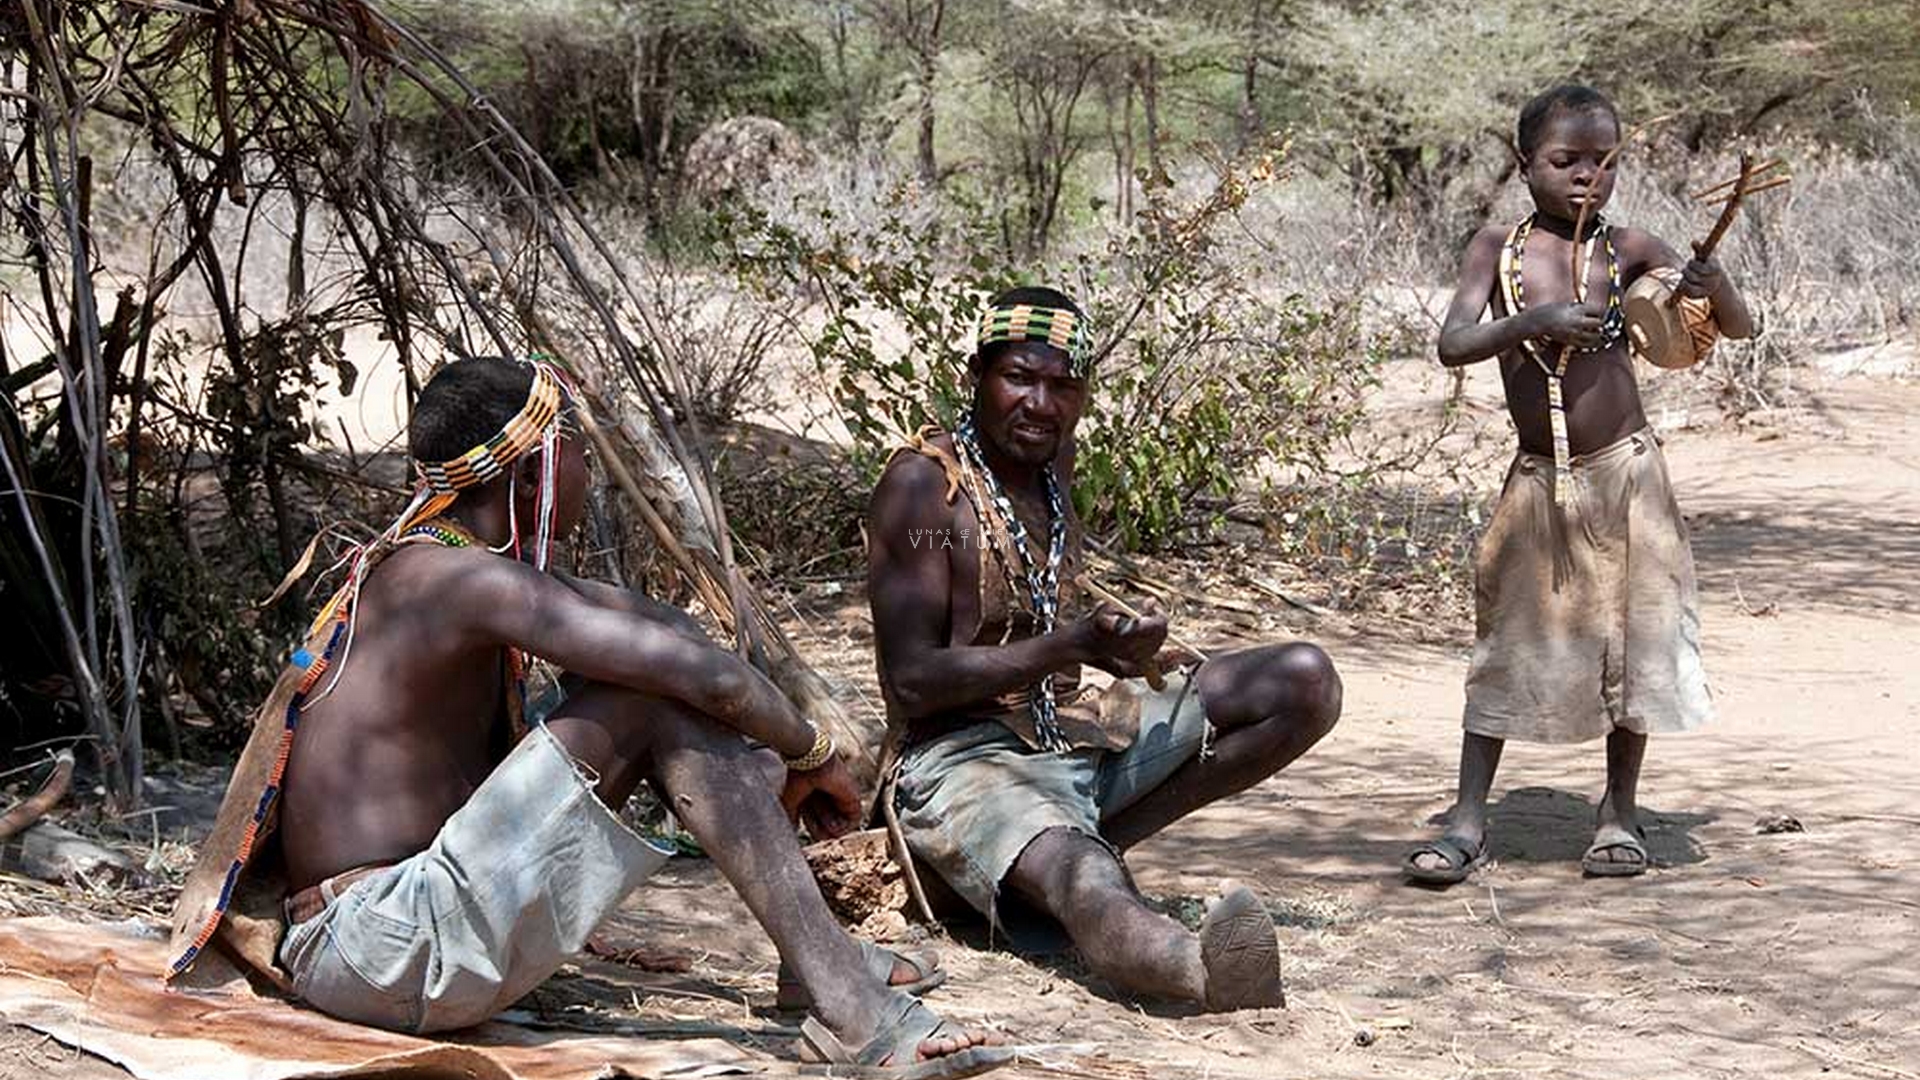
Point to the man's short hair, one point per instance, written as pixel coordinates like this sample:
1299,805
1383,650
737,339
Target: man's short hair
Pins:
1037,296
1565,98
466,403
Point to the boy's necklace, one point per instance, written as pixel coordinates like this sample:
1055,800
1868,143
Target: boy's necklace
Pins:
446,531
1043,582
1513,282
1612,324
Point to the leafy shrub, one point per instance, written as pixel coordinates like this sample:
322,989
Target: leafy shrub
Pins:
1204,371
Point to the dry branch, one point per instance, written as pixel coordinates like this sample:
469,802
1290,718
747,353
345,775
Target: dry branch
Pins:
485,253
35,806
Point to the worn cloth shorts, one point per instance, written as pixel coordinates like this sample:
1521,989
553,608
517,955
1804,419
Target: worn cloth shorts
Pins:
1587,620
508,891
971,800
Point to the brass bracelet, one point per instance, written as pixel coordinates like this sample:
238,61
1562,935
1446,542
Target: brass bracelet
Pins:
821,753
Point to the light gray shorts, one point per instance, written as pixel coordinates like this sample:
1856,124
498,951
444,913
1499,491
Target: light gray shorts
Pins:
972,799
506,893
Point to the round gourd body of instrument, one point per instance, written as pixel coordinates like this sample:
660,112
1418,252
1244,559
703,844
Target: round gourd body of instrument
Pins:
1656,329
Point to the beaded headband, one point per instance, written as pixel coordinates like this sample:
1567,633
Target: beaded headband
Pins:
1057,327
521,434
539,423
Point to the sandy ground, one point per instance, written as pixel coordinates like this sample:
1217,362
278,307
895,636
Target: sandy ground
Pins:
1741,954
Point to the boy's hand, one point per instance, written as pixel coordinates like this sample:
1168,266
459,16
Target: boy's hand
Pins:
1109,635
1702,277
827,797
1570,324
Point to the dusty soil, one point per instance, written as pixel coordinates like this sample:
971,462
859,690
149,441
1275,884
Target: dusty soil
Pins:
1741,954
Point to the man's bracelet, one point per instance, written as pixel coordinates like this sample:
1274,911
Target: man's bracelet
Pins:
821,753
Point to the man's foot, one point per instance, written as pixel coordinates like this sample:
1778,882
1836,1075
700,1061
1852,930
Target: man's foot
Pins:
910,971
1446,861
910,1043
1241,953
1617,851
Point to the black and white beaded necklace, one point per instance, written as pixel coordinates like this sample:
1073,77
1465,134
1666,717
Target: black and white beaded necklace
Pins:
1042,581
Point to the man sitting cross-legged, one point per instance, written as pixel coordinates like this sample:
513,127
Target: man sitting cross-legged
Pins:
435,869
1013,783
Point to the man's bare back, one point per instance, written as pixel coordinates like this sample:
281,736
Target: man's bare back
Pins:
417,720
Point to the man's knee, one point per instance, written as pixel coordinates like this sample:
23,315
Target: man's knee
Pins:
1313,688
1288,689
1064,869
643,727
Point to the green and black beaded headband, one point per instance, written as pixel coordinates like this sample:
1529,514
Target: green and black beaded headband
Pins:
1057,327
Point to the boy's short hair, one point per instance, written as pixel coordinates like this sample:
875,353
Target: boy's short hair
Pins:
1565,98
1036,295
466,403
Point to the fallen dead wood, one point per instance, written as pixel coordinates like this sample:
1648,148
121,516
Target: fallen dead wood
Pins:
35,806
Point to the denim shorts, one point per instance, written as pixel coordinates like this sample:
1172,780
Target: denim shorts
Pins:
507,892
971,799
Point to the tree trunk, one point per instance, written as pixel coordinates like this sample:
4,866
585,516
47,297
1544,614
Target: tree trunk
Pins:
1249,101
928,70
1149,71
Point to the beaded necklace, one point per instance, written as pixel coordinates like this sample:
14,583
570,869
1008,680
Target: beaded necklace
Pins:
1042,582
1612,325
443,531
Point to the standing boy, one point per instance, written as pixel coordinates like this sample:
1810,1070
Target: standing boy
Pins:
1585,617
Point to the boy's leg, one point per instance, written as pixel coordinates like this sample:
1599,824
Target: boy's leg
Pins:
1620,808
1077,880
1268,705
725,794
1467,822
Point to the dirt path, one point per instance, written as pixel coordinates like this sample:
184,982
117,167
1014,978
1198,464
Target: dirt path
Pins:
1742,954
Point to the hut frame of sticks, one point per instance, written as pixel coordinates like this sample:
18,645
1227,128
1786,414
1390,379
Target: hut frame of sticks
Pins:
238,104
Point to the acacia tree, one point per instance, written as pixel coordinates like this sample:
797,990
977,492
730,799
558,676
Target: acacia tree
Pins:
1041,57
920,27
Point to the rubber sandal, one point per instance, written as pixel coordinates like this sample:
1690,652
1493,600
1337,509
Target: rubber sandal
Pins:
1462,861
1615,838
927,973
906,1025
1241,953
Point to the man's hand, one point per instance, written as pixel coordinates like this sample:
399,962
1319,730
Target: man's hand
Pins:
1570,324
1702,277
827,797
1111,637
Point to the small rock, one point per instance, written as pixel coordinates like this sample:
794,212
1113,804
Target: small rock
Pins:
48,852
1363,1037
1778,823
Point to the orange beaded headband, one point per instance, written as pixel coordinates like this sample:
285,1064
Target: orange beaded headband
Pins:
490,458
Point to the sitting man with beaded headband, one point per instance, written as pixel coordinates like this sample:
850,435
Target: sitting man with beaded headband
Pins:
1015,784
1585,622
398,849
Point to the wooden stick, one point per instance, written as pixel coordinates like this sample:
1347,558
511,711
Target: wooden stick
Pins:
1728,212
1151,670
35,806
1725,184
1769,185
1742,187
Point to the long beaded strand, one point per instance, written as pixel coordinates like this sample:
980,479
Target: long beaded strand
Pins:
1043,582
1612,324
